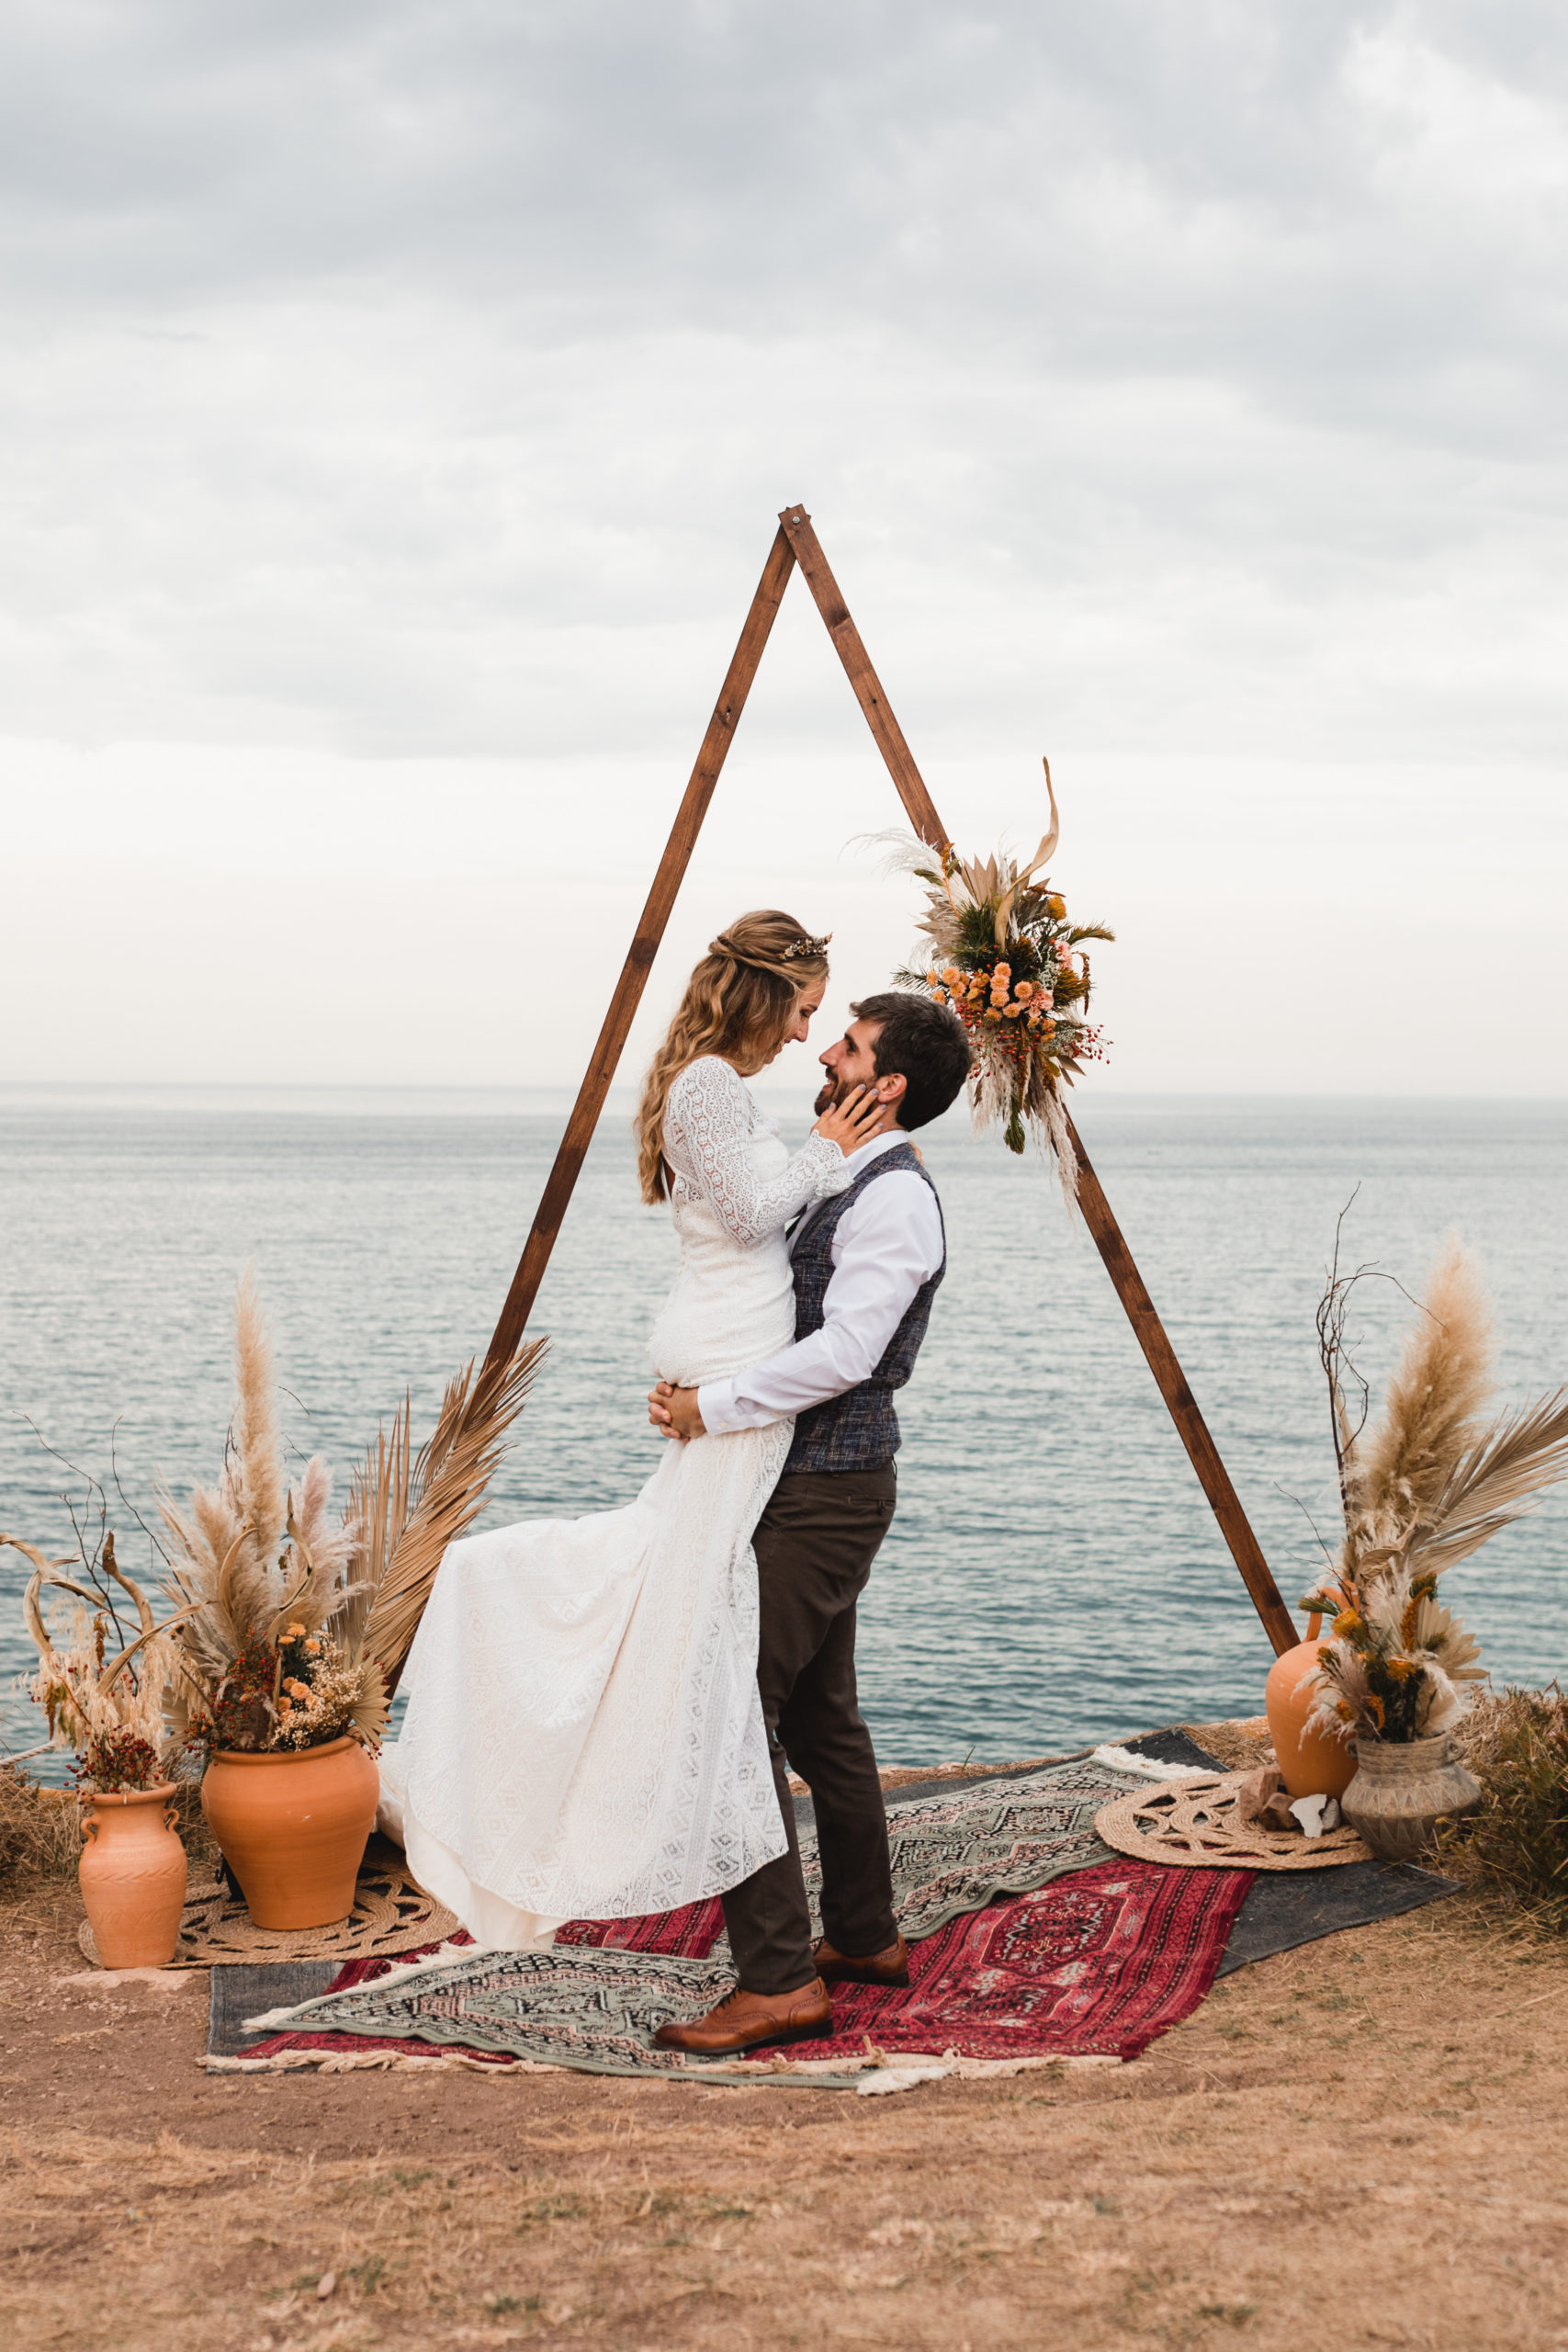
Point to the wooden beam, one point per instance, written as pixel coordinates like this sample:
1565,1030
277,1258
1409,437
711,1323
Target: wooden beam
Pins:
1202,1450
1099,1216
796,524
624,1003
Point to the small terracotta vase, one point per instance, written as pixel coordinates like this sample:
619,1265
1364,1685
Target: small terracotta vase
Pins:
1401,1792
133,1876
292,1825
1311,1764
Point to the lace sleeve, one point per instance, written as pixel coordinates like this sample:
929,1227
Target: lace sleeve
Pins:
707,1139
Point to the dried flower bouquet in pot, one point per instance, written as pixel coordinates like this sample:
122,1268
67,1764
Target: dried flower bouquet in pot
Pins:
1425,1485
297,1621
110,1688
290,1625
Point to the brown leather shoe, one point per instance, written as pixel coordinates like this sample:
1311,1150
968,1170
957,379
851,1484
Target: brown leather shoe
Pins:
889,1967
742,2020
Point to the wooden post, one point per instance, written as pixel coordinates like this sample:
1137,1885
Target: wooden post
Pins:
1109,1239
672,866
796,524
1202,1450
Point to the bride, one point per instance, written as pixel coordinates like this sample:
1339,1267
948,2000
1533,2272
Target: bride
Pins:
585,1738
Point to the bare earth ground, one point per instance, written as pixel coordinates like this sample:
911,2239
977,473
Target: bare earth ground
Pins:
1357,2144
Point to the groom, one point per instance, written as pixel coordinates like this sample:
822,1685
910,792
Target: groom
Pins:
866,1263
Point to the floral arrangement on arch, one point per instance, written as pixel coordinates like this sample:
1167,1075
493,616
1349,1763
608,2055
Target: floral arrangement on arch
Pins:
999,949
1421,1489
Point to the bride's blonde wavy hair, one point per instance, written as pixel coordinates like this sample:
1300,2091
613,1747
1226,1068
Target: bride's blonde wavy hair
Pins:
739,1003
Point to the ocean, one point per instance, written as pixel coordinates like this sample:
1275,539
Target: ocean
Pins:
1054,1575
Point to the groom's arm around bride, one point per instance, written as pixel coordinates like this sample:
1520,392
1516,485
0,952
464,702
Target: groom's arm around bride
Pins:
867,1265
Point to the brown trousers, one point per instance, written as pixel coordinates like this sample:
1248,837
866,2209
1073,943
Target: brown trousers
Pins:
814,1544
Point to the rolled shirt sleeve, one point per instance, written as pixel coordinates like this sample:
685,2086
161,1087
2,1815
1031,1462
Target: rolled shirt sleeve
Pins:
886,1244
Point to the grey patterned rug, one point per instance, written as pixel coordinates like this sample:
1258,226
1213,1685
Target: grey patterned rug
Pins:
596,2007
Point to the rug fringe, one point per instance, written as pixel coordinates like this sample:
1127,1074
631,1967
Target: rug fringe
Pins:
879,2073
351,2062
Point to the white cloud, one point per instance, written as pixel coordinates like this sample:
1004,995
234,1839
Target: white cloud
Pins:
395,406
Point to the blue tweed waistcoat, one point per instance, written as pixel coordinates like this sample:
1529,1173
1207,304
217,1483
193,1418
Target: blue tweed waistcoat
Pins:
858,1430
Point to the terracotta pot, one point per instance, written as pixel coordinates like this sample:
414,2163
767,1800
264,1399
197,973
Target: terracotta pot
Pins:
133,1876
292,1826
1311,1765
1401,1792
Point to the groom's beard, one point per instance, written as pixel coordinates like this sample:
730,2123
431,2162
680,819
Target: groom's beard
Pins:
834,1091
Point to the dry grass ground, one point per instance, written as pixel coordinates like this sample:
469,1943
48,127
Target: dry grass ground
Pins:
1359,2144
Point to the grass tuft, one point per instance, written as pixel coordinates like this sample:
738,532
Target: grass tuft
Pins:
40,1837
1514,1849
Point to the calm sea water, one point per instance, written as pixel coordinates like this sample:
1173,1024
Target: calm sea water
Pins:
1054,1573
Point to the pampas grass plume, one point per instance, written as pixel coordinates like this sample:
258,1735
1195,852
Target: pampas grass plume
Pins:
1439,1386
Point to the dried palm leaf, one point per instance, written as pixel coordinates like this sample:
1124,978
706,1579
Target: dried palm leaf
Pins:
378,1506
1492,1484
368,1719
449,1481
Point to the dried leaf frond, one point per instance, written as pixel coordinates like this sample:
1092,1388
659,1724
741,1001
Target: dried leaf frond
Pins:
449,1480
1492,1482
379,1508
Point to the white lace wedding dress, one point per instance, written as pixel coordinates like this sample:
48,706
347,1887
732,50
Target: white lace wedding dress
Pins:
585,1738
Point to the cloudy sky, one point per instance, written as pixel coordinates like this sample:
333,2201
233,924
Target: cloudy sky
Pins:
397,400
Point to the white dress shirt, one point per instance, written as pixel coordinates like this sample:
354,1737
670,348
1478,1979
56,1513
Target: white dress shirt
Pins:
887,1243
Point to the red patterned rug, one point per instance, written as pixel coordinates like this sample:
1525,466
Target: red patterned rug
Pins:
690,1933
1098,1964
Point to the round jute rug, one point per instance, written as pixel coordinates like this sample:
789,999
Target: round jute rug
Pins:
1196,1822
391,1914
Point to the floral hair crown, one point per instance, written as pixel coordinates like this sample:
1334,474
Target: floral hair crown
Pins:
807,946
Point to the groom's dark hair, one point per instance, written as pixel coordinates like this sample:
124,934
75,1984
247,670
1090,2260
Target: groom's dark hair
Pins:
921,1042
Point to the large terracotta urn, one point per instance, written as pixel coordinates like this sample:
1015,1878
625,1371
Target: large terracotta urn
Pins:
1311,1764
292,1825
133,1876
1401,1792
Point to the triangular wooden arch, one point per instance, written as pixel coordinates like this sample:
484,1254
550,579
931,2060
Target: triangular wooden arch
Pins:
797,544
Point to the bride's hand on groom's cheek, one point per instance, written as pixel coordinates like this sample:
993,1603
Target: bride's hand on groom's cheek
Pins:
853,1121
